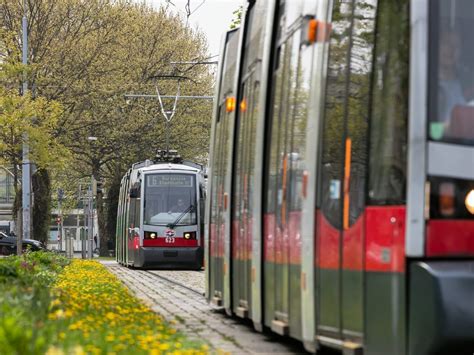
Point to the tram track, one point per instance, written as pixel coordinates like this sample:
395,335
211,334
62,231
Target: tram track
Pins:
176,283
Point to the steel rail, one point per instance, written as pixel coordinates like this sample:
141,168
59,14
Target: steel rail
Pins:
173,282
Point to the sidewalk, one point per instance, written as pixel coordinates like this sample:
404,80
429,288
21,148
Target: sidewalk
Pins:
191,313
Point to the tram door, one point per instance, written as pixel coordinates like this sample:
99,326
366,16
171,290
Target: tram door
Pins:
134,222
219,197
126,218
341,194
286,153
242,208
244,159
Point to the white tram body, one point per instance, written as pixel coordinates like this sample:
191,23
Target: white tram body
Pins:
159,216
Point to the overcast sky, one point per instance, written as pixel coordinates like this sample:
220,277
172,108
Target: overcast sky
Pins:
213,17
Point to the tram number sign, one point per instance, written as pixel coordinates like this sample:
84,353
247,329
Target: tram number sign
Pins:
170,239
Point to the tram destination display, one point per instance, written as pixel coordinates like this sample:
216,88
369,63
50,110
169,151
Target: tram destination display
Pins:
169,180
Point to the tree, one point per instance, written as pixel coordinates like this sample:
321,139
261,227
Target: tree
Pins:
23,119
86,55
237,20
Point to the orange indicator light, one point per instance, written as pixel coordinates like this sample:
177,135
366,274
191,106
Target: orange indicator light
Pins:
312,31
243,105
230,104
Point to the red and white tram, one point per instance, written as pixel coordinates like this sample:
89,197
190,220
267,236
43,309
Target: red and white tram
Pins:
341,207
160,214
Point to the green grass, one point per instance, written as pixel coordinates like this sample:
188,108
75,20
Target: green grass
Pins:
50,305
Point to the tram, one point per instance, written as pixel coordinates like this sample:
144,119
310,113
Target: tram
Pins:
160,214
341,207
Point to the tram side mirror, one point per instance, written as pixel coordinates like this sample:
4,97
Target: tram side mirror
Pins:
202,207
134,193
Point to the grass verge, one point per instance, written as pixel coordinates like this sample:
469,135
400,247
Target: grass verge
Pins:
53,306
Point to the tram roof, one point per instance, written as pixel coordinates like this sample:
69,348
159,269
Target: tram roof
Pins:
170,167
149,165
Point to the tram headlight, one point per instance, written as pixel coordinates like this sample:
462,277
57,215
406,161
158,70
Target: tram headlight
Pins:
189,235
150,235
469,201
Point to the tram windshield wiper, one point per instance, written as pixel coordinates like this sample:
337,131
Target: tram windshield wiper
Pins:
180,217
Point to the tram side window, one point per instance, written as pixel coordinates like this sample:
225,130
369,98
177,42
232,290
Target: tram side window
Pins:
334,115
389,111
132,212
451,109
253,129
289,116
216,167
358,99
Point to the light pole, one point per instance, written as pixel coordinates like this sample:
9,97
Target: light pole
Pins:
26,172
90,199
59,220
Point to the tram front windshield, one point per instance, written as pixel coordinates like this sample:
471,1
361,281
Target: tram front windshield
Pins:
452,71
170,199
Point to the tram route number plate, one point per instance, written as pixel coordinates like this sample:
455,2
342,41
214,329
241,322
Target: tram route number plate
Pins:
170,240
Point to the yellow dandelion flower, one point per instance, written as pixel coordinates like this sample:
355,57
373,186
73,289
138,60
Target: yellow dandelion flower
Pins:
110,316
164,346
54,351
78,350
59,314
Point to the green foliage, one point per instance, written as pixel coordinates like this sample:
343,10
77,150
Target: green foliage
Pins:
237,20
36,120
84,56
51,305
25,299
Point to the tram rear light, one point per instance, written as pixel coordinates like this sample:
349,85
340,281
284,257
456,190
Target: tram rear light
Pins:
447,198
230,104
470,201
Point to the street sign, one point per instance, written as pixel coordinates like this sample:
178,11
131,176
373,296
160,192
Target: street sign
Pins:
60,194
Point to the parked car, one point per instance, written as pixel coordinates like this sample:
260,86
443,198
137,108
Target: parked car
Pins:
8,244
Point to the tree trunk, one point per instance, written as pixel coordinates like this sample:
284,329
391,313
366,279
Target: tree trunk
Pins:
112,205
16,210
101,218
42,205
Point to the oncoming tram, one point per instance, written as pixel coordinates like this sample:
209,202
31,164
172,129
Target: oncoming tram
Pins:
341,191
160,214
